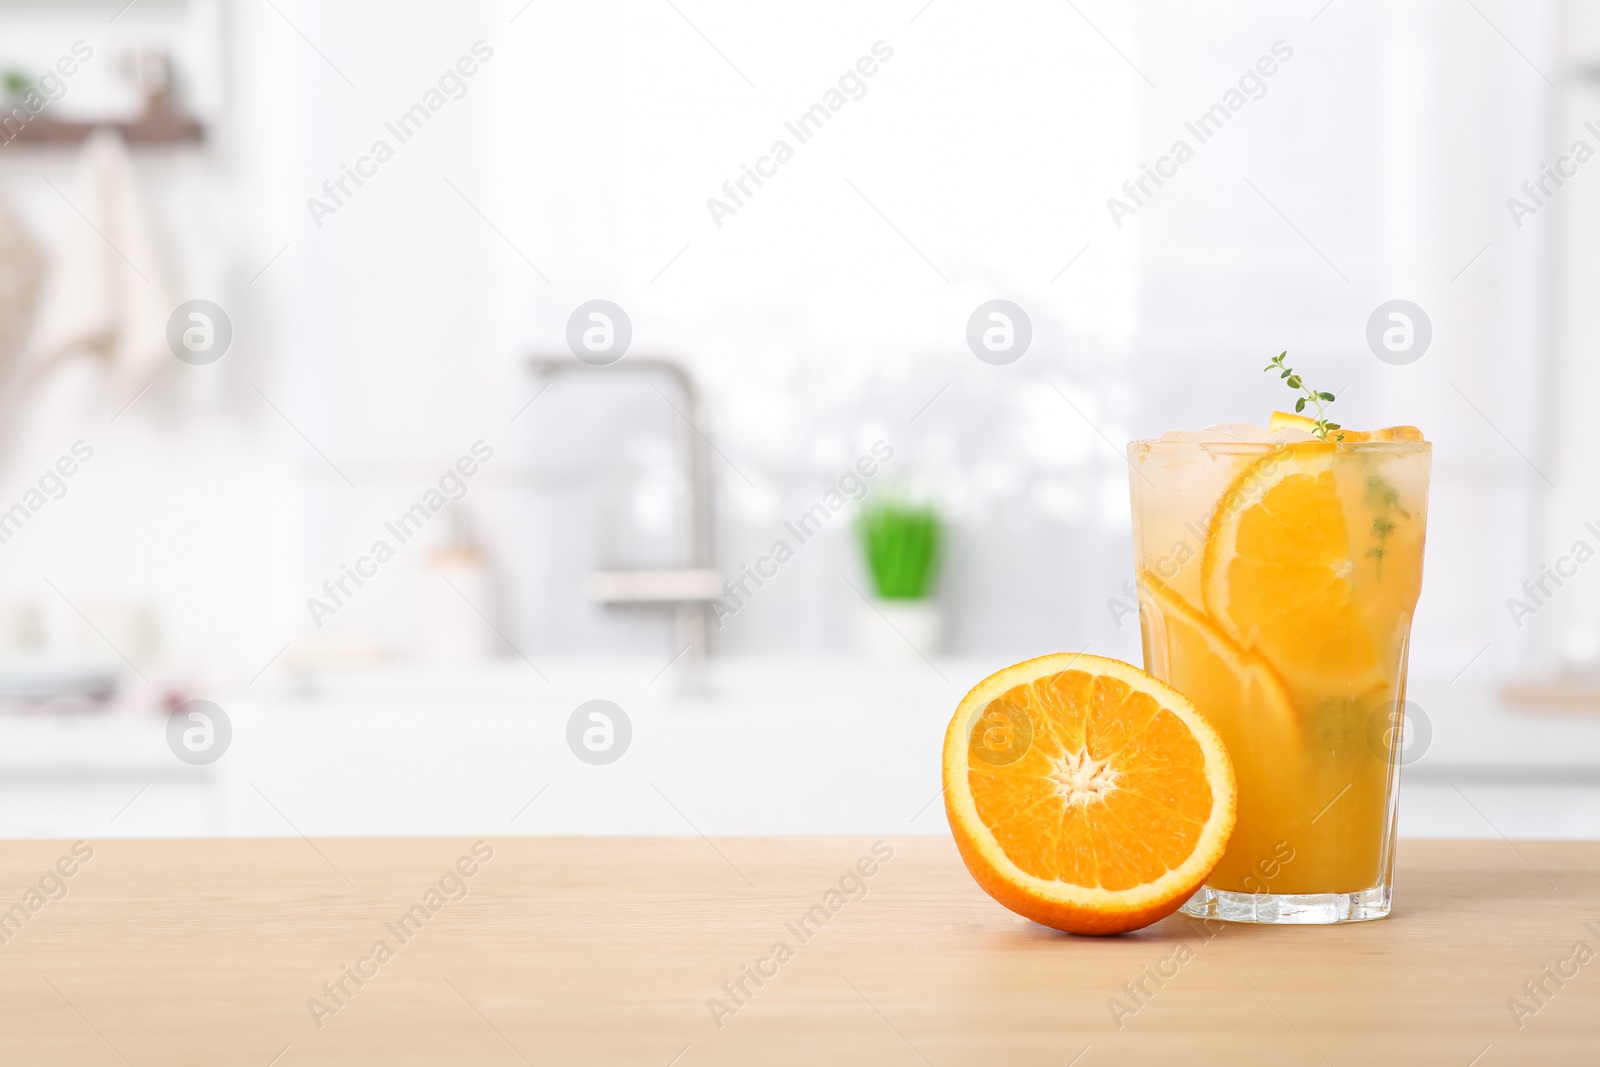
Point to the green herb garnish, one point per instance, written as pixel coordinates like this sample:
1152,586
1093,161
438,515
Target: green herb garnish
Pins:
1321,423
1384,499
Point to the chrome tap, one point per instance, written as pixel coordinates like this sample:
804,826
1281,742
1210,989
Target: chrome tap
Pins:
687,589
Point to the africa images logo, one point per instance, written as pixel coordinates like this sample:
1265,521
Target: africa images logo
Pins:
1251,85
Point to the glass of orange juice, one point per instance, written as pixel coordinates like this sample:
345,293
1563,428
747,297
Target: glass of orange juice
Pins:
1277,577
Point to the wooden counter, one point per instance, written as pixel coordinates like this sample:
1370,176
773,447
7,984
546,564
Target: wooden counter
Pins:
607,950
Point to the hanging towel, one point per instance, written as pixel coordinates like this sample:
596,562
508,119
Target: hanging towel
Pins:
107,294
21,276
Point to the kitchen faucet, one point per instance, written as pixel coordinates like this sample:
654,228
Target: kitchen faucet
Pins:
687,589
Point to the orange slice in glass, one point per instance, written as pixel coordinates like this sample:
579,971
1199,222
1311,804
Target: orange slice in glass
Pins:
1277,572
1242,696
1283,419
1230,686
1085,794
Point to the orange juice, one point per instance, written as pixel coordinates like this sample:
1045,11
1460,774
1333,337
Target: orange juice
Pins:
1277,581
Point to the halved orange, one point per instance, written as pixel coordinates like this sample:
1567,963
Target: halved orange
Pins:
1277,571
1085,794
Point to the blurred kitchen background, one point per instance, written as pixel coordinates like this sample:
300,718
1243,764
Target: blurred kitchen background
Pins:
381,329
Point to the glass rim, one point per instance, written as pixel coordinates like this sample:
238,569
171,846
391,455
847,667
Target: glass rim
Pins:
1264,448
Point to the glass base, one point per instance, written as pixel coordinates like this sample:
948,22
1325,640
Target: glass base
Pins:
1297,909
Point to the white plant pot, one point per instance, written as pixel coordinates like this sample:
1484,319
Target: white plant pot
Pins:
449,629
901,631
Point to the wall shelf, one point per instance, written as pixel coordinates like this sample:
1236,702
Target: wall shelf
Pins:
153,130
1572,698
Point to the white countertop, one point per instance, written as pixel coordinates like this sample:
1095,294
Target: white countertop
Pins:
766,747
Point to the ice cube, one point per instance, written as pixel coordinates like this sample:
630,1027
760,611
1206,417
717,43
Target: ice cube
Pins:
1222,433
1236,431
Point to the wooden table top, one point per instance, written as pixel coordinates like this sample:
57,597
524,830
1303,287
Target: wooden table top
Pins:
633,951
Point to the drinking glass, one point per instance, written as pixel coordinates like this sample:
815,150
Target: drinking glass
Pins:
1277,582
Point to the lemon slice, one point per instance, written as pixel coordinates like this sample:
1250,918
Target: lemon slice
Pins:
1283,420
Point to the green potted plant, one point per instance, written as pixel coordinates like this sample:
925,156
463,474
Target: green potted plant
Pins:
14,85
901,542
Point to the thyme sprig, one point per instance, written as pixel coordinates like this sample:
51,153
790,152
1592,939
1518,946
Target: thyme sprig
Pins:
1321,424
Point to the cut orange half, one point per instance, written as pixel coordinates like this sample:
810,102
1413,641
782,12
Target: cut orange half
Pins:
1085,794
1277,572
